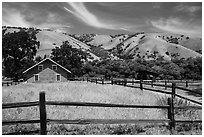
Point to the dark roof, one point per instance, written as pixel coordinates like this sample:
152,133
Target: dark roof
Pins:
43,61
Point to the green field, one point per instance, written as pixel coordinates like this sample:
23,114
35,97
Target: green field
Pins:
82,92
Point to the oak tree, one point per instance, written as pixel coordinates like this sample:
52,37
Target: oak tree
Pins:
18,51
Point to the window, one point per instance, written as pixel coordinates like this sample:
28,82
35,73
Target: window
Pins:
58,77
36,77
40,67
54,67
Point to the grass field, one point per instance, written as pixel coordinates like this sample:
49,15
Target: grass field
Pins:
81,92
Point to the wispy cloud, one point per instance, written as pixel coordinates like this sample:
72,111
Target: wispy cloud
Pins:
187,8
82,13
53,21
14,17
176,25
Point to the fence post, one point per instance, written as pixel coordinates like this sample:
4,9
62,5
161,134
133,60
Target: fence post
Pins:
132,81
96,81
87,79
165,84
141,85
172,105
102,81
43,119
171,115
125,82
173,90
152,83
112,81
7,83
186,83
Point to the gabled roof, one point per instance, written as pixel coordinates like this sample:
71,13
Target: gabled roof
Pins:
45,60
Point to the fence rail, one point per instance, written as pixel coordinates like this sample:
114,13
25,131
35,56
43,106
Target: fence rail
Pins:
43,115
20,104
22,121
196,102
100,104
107,121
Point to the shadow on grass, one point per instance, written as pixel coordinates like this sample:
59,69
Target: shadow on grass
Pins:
198,94
24,133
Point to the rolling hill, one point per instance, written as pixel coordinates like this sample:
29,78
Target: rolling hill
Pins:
151,45
139,45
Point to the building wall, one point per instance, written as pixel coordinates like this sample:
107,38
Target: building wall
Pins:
47,74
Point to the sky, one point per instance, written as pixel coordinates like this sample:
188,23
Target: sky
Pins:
106,17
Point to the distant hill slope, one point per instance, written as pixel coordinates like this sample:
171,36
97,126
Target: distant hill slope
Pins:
139,45
151,45
50,39
191,42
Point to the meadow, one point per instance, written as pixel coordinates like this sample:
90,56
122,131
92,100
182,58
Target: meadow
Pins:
85,92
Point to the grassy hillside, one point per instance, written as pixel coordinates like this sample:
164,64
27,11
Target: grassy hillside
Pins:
191,42
146,45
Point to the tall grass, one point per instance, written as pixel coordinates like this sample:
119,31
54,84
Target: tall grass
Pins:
183,114
190,114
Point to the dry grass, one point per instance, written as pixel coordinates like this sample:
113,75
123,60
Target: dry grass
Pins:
80,92
181,114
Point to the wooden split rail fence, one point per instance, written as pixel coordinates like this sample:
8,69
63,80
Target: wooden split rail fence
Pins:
9,83
141,84
124,82
44,120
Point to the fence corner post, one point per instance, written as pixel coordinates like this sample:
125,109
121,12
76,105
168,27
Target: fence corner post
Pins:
43,119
